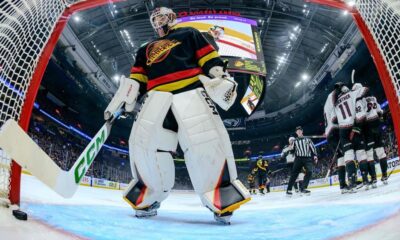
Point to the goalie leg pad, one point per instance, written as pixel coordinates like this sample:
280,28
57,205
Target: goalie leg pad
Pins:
208,152
380,153
149,144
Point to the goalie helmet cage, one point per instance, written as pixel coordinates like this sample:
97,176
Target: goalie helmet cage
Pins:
29,30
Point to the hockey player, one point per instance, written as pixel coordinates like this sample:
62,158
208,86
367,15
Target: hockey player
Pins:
178,106
262,169
298,185
288,155
373,137
251,180
349,113
288,152
332,136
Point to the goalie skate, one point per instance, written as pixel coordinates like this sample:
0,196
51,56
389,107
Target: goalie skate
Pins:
150,211
224,218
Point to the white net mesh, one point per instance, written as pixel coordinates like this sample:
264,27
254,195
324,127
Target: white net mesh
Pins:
25,28
383,20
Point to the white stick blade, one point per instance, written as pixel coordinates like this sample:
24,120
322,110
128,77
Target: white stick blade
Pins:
22,149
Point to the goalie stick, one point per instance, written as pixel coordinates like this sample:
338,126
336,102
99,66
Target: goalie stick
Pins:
17,144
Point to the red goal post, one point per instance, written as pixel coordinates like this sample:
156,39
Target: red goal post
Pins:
379,25
29,31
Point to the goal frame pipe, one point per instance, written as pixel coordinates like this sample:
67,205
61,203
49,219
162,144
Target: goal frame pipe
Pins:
386,80
15,182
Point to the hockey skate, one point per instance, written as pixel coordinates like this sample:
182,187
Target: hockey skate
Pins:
384,179
224,218
289,193
148,212
365,186
305,192
374,183
347,189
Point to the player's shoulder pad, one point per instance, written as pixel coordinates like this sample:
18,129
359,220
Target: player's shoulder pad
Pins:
187,29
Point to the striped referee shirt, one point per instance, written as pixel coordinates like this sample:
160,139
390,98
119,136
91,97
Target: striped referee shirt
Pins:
304,147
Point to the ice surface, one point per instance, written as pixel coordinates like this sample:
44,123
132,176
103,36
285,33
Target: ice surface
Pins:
95,213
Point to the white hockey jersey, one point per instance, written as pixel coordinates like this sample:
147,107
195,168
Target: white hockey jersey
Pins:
372,108
329,114
288,153
349,107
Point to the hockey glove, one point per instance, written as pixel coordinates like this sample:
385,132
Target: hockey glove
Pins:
125,96
221,88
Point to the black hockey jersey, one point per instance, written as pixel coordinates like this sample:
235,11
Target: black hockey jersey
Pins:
174,62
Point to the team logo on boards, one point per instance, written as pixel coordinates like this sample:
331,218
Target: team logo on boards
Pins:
157,51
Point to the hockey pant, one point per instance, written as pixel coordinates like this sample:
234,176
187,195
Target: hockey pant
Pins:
375,143
333,141
204,141
353,146
262,179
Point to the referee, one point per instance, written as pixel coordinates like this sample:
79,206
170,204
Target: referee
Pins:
304,152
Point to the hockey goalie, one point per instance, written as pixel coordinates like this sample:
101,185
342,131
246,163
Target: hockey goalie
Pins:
180,75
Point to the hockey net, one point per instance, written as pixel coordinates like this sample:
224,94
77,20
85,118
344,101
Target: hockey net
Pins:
382,18
29,30
25,28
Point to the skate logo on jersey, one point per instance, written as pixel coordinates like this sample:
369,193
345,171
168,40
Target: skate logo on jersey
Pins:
210,103
157,51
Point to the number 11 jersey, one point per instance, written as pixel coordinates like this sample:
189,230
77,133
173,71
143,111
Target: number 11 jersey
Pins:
349,108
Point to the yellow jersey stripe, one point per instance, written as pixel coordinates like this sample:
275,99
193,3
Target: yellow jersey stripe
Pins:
207,57
140,77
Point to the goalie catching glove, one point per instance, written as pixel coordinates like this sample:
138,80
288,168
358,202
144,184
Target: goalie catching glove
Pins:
221,88
126,95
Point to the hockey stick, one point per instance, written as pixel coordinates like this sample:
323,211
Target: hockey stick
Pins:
315,136
352,76
332,161
17,144
276,171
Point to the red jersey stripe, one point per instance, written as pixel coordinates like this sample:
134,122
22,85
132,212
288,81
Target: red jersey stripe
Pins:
203,51
172,77
138,70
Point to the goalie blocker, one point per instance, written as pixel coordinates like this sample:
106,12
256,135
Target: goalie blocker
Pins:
204,141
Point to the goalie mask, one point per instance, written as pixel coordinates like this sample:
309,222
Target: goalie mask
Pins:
162,20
